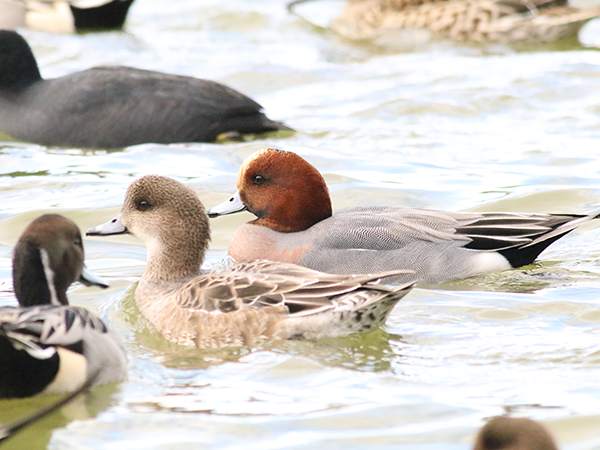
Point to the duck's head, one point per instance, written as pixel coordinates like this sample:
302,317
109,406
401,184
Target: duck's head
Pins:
282,189
169,218
47,259
18,67
511,433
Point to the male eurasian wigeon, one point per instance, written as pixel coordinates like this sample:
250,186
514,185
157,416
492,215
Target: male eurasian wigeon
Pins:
116,106
510,433
295,224
499,21
47,346
243,304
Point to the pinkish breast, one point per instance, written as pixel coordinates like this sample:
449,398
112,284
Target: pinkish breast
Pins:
252,242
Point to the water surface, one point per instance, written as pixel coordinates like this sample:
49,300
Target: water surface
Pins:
441,126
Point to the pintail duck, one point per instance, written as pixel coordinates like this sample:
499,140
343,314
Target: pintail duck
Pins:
114,107
47,346
295,224
509,433
244,304
488,21
64,15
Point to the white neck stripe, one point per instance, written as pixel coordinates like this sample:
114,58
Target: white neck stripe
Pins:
49,276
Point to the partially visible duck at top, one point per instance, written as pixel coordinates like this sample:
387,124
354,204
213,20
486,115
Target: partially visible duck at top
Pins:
514,433
295,224
62,16
47,346
486,21
115,106
244,304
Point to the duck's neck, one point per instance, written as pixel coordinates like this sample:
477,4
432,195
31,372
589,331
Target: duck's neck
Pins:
174,260
34,279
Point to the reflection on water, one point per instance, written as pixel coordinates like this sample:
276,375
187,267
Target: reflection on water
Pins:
150,343
435,125
85,407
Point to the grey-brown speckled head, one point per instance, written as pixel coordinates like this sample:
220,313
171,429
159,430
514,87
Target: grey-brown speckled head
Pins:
171,221
510,433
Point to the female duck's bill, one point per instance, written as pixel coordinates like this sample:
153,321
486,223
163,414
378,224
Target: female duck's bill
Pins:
116,106
110,228
47,346
244,304
64,16
296,224
508,433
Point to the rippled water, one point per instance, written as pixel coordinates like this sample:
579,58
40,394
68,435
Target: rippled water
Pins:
442,126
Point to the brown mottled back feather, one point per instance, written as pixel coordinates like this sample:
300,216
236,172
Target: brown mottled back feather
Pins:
465,20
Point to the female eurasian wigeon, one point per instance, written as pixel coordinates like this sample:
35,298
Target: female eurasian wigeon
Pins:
504,21
295,224
241,305
116,106
510,433
47,346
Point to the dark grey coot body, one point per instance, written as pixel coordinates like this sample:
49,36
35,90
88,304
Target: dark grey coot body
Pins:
113,107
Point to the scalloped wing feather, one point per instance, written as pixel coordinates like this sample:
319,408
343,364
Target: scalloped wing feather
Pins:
51,325
243,307
278,284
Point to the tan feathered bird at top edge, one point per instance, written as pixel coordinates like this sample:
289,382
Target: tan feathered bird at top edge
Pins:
491,21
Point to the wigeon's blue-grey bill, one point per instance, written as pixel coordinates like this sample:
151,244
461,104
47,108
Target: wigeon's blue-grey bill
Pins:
89,278
113,226
231,206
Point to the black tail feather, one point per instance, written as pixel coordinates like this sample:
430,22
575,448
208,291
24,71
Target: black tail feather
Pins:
519,256
520,238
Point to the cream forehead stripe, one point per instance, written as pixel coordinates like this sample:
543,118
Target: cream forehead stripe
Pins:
245,164
251,158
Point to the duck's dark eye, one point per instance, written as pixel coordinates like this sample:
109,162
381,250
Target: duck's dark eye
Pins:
143,205
77,241
258,179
